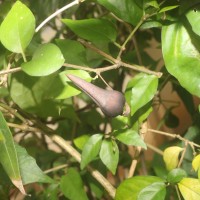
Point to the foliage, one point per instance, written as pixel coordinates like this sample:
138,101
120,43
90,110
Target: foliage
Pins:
54,136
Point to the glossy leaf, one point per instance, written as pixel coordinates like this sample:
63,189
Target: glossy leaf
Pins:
130,188
62,87
30,172
8,155
181,54
91,149
81,141
140,90
155,191
189,188
168,8
176,175
170,157
72,186
46,59
128,10
95,30
109,154
73,52
17,29
129,137
193,17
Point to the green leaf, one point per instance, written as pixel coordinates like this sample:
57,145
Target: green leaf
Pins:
176,175
128,10
37,101
17,29
155,191
95,30
181,54
109,154
8,155
130,188
72,186
46,59
129,137
81,141
73,52
91,149
189,188
168,8
193,17
140,90
170,157
61,87
30,172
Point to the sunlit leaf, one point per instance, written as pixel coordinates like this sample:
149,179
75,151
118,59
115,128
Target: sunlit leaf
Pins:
46,60
109,154
129,137
8,155
181,54
140,90
165,9
61,87
72,186
155,191
91,149
17,29
190,188
170,157
81,141
130,188
196,162
193,17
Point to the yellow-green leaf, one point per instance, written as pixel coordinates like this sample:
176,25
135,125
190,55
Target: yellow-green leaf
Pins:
189,188
196,162
170,157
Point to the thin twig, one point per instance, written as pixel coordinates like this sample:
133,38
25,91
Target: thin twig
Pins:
13,112
56,168
174,136
155,149
75,2
183,154
10,71
75,154
123,46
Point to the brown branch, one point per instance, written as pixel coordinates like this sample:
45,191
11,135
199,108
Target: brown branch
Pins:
174,136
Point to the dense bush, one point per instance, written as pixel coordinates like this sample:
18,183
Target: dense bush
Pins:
61,137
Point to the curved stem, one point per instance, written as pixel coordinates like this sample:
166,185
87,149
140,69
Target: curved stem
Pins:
76,2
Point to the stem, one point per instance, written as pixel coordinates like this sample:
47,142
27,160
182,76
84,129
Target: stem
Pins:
14,112
130,36
183,154
76,2
10,71
55,168
155,149
174,136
